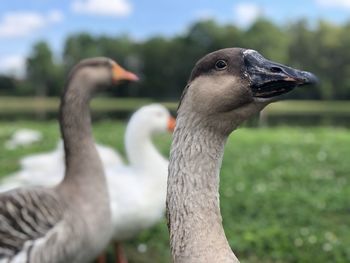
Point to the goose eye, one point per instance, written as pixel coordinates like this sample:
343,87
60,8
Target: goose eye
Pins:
220,64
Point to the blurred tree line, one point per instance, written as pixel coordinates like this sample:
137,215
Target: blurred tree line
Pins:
164,64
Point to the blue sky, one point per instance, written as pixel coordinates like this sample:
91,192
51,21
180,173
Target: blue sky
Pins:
22,23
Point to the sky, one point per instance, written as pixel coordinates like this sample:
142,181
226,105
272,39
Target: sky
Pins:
23,23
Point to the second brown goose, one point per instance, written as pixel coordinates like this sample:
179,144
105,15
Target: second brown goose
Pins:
72,221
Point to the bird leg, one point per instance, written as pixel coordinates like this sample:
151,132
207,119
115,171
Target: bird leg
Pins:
119,253
102,258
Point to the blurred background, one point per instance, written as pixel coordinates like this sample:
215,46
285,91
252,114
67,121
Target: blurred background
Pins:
285,176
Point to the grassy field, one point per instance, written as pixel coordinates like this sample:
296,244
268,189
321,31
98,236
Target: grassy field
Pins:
284,191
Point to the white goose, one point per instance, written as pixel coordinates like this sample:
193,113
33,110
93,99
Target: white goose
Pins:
23,137
70,222
138,191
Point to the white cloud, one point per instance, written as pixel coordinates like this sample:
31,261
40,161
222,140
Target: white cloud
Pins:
55,16
19,24
246,13
117,8
334,3
13,65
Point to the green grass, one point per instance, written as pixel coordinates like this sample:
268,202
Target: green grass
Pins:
284,191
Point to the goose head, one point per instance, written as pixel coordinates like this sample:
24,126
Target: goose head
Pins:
229,85
100,72
152,119
143,125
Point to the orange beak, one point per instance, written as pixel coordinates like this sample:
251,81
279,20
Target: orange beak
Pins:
171,124
120,74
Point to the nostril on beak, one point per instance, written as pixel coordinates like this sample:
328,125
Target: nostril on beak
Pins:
276,69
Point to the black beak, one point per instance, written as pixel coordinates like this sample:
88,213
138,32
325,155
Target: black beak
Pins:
270,79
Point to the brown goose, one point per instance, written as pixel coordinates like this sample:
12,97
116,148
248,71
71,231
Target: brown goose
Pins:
70,222
226,87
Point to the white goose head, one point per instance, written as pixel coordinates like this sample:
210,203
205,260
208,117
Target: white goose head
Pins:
152,119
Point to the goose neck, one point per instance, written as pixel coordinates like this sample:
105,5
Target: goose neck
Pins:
140,149
193,208
82,161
